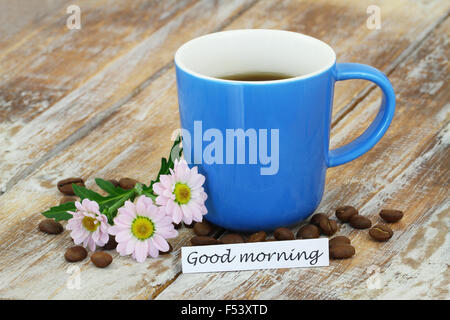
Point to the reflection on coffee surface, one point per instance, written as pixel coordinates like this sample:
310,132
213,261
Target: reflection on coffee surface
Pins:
257,76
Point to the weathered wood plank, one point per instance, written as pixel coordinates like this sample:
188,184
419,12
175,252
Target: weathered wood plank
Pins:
21,19
128,143
409,169
159,101
75,79
84,101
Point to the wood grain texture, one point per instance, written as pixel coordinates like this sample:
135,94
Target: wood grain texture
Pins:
128,121
82,77
22,19
145,147
409,170
75,79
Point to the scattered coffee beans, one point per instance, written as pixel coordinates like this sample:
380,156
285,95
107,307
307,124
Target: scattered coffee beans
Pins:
381,232
101,259
339,240
360,222
203,228
66,199
283,234
257,237
315,219
342,251
231,238
127,183
65,186
51,226
328,227
345,213
111,244
75,254
391,215
168,251
203,241
308,231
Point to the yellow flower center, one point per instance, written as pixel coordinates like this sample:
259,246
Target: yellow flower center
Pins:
182,193
142,228
90,224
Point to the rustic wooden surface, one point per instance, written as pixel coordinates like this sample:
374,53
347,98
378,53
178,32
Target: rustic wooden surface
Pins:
101,102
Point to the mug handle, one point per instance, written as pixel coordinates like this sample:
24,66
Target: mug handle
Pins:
376,130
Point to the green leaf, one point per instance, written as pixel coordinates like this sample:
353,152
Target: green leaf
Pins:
109,187
60,212
109,201
104,203
85,193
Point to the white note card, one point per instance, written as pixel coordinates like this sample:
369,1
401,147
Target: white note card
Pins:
256,255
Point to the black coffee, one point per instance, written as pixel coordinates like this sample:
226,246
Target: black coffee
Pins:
257,76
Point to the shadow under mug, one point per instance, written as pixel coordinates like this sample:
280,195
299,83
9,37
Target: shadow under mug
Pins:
264,145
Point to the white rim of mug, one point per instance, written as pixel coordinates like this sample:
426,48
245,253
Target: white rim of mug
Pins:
305,76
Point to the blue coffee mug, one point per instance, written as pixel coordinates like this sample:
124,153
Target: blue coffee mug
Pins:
264,145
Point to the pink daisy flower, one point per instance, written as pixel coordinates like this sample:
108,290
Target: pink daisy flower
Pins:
141,229
181,193
88,225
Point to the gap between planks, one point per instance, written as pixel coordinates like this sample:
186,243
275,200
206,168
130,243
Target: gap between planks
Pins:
96,120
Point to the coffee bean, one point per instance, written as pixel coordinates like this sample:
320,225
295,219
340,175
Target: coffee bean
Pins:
51,226
257,237
391,215
381,232
66,199
101,259
283,234
127,183
342,251
360,222
315,219
328,227
203,241
203,228
190,226
339,240
111,244
75,254
114,182
65,186
308,231
345,213
168,251
231,238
